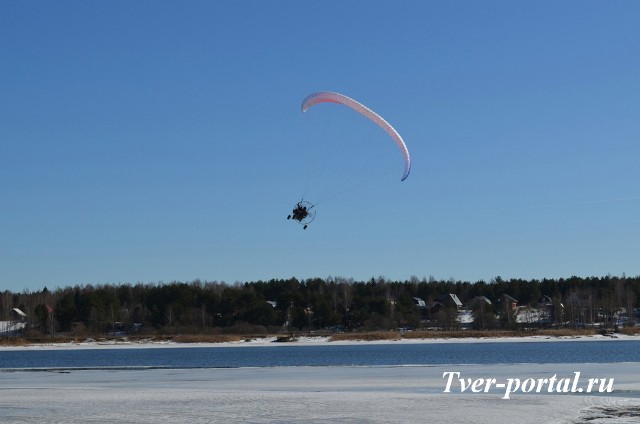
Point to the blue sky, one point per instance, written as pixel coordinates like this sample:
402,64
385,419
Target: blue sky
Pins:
155,141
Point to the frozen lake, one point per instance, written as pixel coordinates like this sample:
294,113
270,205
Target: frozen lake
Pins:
399,394
183,390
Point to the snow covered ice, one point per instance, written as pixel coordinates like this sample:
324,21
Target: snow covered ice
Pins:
377,394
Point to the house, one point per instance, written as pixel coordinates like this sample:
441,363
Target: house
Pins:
446,310
20,314
479,302
509,303
445,301
420,303
455,300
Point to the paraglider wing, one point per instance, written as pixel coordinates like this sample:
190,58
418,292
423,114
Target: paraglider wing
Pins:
331,97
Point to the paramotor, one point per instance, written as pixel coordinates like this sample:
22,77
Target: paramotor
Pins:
303,212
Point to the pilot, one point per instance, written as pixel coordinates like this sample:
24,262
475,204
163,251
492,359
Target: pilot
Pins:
300,212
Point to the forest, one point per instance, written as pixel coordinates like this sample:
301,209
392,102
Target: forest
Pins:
331,304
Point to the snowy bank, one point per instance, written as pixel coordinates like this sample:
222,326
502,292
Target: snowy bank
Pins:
308,341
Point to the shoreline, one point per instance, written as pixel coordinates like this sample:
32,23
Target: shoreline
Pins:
151,343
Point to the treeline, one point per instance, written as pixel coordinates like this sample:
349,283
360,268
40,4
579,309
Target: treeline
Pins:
317,304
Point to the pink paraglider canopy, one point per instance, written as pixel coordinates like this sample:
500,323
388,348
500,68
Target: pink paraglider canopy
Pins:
331,97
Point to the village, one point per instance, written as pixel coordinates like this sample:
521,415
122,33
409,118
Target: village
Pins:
320,307
448,312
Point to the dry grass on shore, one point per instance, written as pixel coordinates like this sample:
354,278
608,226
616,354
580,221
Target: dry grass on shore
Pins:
196,338
351,336
206,338
460,334
457,334
370,336
26,341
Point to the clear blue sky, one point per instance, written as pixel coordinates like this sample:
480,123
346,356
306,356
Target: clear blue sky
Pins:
155,141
